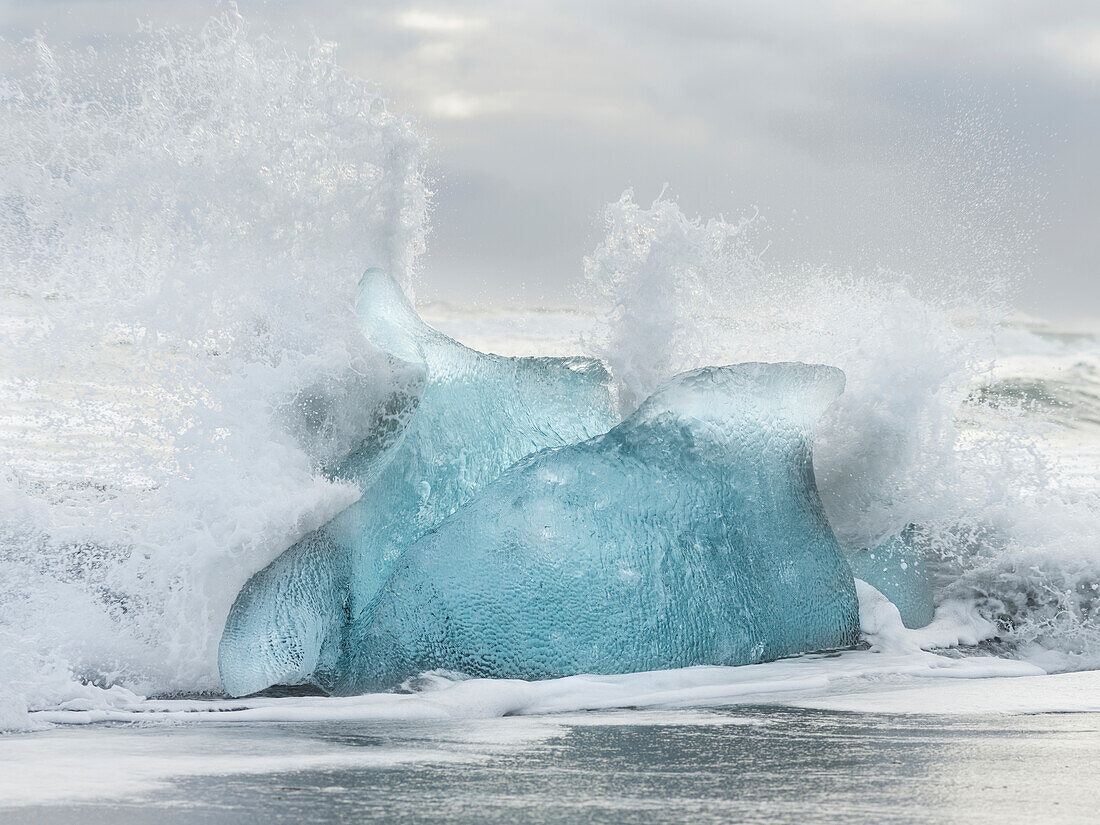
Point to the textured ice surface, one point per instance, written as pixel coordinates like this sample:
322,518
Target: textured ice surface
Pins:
896,568
690,534
463,417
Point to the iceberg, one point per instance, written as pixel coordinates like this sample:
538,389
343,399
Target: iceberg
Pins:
690,534
896,568
456,424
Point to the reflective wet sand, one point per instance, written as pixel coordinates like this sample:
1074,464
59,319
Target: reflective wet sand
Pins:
745,764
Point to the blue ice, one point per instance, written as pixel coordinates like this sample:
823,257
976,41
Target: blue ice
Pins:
690,534
896,568
463,418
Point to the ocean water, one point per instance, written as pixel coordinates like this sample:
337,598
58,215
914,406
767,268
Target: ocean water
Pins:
182,225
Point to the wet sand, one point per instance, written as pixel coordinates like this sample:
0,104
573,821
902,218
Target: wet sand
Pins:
744,764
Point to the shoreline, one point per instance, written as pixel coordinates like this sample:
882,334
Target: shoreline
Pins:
749,763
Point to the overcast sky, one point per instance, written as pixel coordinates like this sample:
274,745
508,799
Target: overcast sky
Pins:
866,131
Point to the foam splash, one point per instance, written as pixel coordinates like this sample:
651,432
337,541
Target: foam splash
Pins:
1005,506
182,222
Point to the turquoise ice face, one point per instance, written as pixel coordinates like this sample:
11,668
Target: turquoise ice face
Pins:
896,568
690,534
457,421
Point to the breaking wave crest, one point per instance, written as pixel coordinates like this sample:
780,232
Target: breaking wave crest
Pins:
936,427
182,223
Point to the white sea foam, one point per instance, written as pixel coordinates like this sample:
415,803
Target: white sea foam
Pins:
182,222
930,430
78,766
1077,692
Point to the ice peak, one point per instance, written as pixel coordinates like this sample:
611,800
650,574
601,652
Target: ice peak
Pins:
791,391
